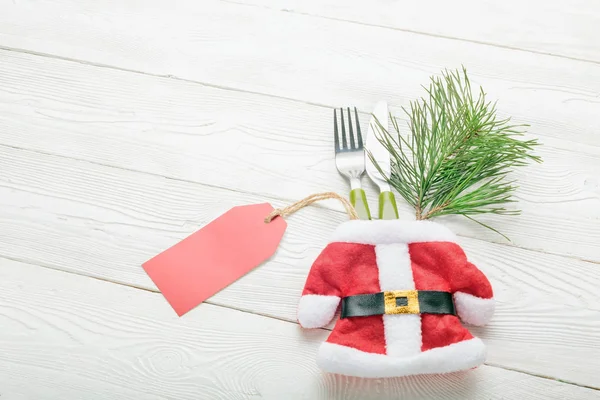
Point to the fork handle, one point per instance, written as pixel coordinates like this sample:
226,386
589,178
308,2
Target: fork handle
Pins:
358,198
387,206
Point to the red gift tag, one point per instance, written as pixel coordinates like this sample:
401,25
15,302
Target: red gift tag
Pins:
215,256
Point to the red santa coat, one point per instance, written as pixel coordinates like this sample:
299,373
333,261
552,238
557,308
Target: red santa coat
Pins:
375,256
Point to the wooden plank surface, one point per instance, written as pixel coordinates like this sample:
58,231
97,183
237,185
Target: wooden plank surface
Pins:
80,338
258,144
303,57
126,125
105,222
563,28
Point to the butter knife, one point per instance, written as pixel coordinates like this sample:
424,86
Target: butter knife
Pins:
387,200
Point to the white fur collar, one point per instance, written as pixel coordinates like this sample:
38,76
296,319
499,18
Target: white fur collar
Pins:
392,231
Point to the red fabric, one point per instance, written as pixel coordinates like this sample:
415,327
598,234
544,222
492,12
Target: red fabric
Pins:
345,269
363,333
441,330
444,266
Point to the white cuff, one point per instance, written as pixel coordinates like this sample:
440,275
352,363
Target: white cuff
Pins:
474,310
315,311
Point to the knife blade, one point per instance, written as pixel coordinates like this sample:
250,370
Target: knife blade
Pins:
387,200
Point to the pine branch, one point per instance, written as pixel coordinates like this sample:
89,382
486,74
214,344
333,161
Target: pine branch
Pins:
457,156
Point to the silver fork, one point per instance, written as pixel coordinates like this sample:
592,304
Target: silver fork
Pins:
350,160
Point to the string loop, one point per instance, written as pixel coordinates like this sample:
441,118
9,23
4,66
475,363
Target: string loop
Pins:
313,198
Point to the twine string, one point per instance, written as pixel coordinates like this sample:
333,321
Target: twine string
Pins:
313,198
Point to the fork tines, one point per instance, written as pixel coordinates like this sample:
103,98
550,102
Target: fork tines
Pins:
355,143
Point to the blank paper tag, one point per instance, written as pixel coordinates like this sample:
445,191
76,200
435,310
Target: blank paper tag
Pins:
215,256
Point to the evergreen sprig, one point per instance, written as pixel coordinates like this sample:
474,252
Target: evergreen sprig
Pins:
457,156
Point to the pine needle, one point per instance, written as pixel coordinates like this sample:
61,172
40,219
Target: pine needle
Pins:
457,155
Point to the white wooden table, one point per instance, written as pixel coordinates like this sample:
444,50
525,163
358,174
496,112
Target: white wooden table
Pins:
125,125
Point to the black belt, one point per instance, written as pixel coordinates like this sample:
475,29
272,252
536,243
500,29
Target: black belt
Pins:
398,302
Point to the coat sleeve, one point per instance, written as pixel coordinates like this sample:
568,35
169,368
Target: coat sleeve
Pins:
473,294
322,293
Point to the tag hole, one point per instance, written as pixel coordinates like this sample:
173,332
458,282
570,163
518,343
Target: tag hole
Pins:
266,220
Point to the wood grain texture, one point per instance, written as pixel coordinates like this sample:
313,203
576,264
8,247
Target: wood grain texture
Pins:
80,338
105,222
564,28
258,144
312,59
186,113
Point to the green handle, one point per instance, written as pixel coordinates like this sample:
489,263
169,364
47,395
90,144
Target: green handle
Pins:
358,198
387,206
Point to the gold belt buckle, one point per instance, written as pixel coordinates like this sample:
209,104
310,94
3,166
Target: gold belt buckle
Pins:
394,302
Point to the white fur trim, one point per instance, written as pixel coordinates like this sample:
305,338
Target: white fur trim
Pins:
392,231
402,331
348,361
474,310
315,311
395,270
